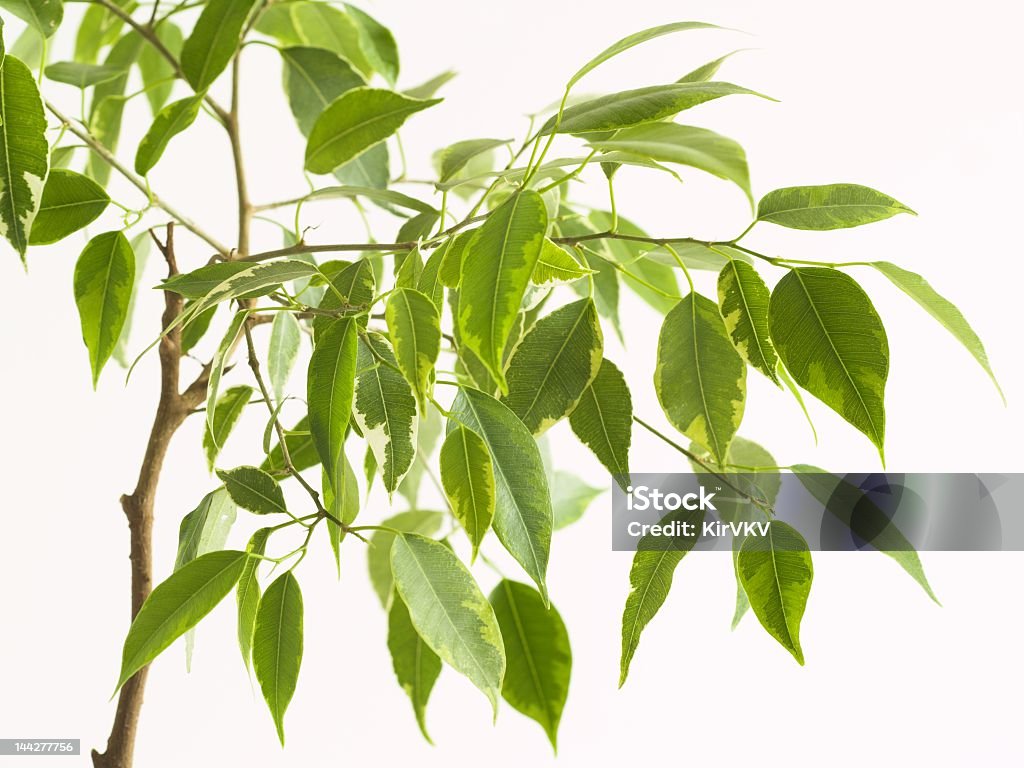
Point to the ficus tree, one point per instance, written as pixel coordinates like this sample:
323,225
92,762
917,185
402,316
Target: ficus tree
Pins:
444,350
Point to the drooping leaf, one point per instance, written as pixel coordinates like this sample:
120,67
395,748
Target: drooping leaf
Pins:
831,340
44,16
431,86
416,666
701,380
253,489
285,337
450,270
356,121
205,528
342,503
415,329
177,605
743,300
80,74
141,245
859,512
570,497
24,154
329,389
104,276
453,158
377,43
430,284
214,41
99,28
936,305
385,409
301,449
696,147
169,122
157,72
277,645
427,436
378,556
352,287
108,103
633,40
70,202
228,410
496,270
523,518
776,572
642,105
467,476
553,365
248,593
537,654
603,420
828,206
449,611
650,579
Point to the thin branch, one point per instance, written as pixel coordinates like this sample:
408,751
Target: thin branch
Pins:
245,210
97,146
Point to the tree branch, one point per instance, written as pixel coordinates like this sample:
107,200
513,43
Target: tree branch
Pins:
97,146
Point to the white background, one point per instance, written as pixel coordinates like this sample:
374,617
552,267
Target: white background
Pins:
916,99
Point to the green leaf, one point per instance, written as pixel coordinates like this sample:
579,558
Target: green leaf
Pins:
70,202
496,270
642,105
248,593
82,75
317,25
313,78
468,479
537,653
408,268
570,497
141,245
225,415
378,556
169,122
523,518
353,285
98,28
831,339
42,15
449,611
301,449
939,307
377,43
384,197
108,103
177,605
158,73
553,364
415,329
603,420
104,276
205,528
776,572
705,72
427,436
254,489
330,386
555,265
858,512
416,666
24,154
214,41
430,87
700,378
220,361
277,645
385,409
453,158
199,282
633,40
450,270
430,284
650,579
285,337
356,121
743,300
829,206
343,503
696,147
